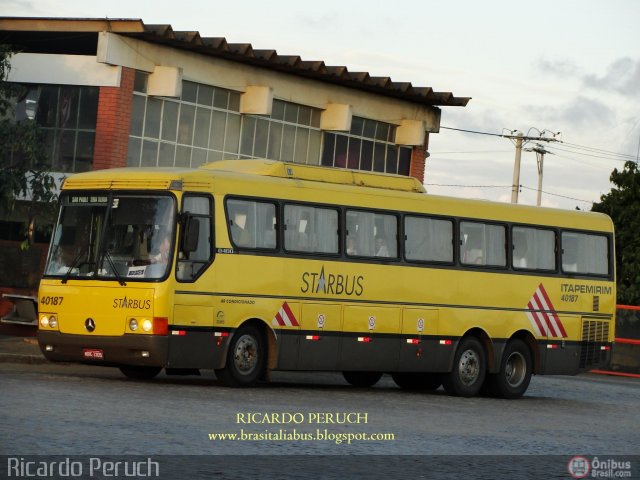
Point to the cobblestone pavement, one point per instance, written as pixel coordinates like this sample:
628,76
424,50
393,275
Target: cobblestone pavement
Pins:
73,409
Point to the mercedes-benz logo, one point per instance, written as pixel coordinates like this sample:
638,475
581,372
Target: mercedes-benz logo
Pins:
90,324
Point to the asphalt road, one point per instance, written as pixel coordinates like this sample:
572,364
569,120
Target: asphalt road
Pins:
79,410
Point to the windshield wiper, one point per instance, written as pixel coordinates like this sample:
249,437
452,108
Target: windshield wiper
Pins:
74,264
107,255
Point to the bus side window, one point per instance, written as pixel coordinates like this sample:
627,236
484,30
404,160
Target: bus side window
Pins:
192,264
372,234
310,229
252,224
585,254
428,239
533,248
483,244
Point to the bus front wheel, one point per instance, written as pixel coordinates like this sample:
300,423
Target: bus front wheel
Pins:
140,373
245,358
469,369
362,379
515,372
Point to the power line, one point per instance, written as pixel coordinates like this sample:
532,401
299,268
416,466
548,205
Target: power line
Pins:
472,151
626,157
473,131
558,195
508,186
467,186
568,144
593,149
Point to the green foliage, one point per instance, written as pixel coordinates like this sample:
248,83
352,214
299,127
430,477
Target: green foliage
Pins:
24,173
622,204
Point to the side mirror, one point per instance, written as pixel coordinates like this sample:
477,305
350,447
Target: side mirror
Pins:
190,234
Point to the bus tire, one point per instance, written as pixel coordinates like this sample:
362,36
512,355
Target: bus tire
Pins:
362,379
515,371
469,369
417,381
140,373
246,358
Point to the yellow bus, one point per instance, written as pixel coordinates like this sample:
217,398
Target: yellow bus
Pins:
246,267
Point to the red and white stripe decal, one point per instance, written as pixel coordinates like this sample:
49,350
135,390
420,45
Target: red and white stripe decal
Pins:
285,317
543,316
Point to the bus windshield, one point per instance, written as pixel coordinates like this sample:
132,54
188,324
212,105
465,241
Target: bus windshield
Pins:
113,237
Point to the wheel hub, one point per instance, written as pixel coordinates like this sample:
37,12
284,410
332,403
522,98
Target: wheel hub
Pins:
515,369
469,367
246,354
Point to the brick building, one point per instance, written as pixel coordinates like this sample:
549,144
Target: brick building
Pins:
113,93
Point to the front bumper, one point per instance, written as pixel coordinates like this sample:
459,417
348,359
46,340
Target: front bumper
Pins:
125,349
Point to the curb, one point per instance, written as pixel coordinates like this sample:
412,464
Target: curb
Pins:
19,358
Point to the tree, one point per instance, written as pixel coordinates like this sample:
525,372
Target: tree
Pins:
24,170
622,204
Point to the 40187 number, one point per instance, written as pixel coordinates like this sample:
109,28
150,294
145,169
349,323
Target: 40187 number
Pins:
569,298
52,301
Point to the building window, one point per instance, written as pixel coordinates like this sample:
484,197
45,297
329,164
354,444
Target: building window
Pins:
200,127
205,125
368,146
67,115
290,134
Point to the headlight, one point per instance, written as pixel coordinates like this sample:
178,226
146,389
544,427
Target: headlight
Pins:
147,325
133,324
53,321
44,321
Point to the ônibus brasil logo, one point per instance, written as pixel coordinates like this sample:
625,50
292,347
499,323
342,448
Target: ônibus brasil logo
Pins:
579,467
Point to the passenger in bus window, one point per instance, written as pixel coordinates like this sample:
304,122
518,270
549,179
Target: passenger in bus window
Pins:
381,247
473,253
239,231
162,247
519,250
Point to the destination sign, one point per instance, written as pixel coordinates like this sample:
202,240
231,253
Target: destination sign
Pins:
93,199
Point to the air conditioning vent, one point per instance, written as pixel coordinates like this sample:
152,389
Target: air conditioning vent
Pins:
595,333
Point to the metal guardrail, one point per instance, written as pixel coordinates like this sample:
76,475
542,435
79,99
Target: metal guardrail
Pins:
625,358
25,310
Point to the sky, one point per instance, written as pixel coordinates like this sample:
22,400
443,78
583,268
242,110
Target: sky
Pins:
553,65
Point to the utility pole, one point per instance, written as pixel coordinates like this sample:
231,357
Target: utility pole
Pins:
515,186
540,153
519,139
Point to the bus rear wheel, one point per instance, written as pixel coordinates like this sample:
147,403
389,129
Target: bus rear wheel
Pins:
140,373
245,358
515,372
362,379
417,381
469,369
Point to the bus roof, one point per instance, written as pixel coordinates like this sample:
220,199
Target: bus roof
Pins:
329,185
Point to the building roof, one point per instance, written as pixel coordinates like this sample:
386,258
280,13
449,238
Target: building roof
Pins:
21,31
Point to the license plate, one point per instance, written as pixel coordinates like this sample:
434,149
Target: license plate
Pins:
93,353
